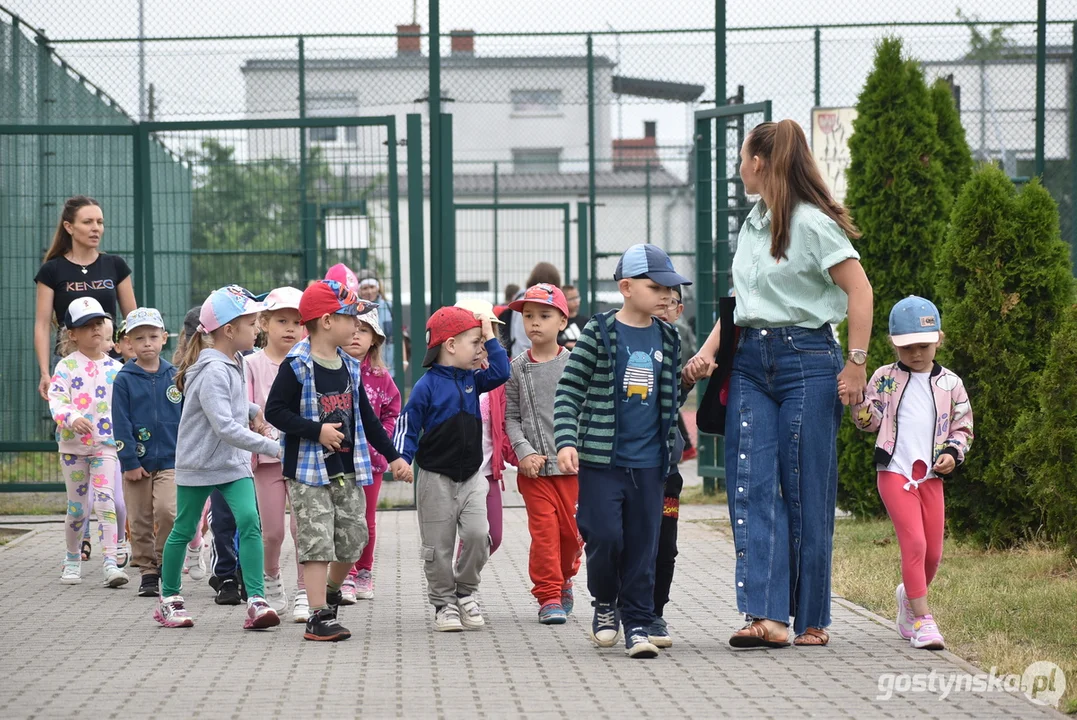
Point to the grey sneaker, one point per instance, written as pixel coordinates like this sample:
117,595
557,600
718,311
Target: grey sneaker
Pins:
447,619
658,634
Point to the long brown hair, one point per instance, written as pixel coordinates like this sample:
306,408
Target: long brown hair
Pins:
187,353
61,239
790,176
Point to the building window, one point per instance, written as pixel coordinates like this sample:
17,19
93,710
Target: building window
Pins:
477,286
321,105
536,160
536,102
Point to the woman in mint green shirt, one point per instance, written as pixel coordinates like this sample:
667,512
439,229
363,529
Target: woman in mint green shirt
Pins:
795,272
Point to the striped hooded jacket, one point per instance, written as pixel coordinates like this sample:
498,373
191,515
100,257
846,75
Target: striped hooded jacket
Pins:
585,406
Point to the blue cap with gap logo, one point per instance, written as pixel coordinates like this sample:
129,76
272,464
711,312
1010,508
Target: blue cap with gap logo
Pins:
914,320
649,261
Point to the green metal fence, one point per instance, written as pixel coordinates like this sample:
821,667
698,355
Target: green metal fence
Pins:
721,207
498,244
191,206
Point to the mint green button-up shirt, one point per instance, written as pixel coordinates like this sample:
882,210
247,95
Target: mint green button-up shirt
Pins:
796,290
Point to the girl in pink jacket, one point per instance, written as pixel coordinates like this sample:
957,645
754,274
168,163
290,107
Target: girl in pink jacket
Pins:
924,420
384,397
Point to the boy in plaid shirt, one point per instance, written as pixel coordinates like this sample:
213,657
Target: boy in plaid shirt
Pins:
318,403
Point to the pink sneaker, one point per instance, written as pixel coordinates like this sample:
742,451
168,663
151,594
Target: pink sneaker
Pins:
170,612
905,618
347,591
260,615
926,634
364,585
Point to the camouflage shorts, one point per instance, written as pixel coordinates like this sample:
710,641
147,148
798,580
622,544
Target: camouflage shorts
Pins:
330,519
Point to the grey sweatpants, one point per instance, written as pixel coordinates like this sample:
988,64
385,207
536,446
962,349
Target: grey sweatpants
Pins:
445,509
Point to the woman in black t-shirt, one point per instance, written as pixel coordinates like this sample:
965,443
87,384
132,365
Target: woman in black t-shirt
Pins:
74,268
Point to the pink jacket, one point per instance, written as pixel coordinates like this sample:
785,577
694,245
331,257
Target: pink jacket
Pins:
261,372
953,412
499,437
384,397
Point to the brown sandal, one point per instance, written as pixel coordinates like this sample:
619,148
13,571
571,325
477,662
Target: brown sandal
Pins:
812,637
755,635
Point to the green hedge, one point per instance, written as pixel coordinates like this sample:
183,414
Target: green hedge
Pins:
1004,281
899,196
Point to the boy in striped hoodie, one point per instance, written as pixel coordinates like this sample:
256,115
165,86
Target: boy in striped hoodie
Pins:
615,422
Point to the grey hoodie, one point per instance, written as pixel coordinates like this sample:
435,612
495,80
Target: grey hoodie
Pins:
215,441
529,397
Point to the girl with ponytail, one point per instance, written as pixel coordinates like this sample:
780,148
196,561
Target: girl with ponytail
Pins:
795,275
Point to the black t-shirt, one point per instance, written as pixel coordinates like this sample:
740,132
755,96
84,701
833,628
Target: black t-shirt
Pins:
335,397
68,282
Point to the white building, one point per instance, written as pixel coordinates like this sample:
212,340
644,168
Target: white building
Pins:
536,135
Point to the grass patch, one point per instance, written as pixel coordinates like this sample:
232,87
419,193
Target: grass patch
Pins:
33,503
30,467
694,495
8,534
1003,609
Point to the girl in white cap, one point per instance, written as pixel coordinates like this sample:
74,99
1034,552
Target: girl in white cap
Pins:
367,346
80,401
280,323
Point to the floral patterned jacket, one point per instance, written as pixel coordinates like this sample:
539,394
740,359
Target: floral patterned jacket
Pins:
82,387
879,411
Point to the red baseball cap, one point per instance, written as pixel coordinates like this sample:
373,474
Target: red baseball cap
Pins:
329,297
447,322
543,294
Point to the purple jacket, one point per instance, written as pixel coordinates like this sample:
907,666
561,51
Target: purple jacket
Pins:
879,411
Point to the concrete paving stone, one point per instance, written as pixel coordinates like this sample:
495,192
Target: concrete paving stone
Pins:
52,639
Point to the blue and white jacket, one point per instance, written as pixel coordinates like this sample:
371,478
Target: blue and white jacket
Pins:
444,409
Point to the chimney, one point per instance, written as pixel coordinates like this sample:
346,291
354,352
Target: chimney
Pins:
637,153
463,42
650,128
408,41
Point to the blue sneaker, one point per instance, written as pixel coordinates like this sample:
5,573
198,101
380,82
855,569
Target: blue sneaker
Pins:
606,625
567,598
638,644
552,614
659,635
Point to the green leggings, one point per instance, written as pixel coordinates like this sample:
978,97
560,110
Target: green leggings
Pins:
189,503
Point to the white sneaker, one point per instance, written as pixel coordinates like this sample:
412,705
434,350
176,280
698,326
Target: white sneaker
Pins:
470,612
300,608
114,577
364,585
905,618
275,593
72,572
193,564
123,554
347,592
447,619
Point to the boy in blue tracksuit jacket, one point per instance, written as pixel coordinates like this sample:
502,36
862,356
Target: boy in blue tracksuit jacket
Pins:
146,408
441,430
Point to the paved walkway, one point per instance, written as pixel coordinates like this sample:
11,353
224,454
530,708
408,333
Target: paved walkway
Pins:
86,650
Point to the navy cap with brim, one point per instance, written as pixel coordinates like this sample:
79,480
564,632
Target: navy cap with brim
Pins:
667,278
431,356
71,325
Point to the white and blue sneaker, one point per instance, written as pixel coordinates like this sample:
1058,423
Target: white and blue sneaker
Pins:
638,644
659,634
606,624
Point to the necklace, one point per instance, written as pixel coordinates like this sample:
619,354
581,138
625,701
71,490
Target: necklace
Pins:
84,270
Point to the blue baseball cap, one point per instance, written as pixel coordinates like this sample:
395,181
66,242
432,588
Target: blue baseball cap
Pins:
915,320
649,261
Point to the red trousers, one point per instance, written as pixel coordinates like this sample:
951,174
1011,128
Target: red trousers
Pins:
919,518
556,547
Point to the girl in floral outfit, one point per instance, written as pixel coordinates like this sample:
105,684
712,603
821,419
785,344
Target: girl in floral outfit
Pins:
80,401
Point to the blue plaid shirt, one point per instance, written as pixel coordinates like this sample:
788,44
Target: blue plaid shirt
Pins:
310,466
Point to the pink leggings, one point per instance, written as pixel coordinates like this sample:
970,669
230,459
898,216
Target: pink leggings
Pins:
121,509
91,482
919,518
271,489
366,560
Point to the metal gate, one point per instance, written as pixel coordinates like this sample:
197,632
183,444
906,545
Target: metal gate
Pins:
191,206
721,207
499,243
